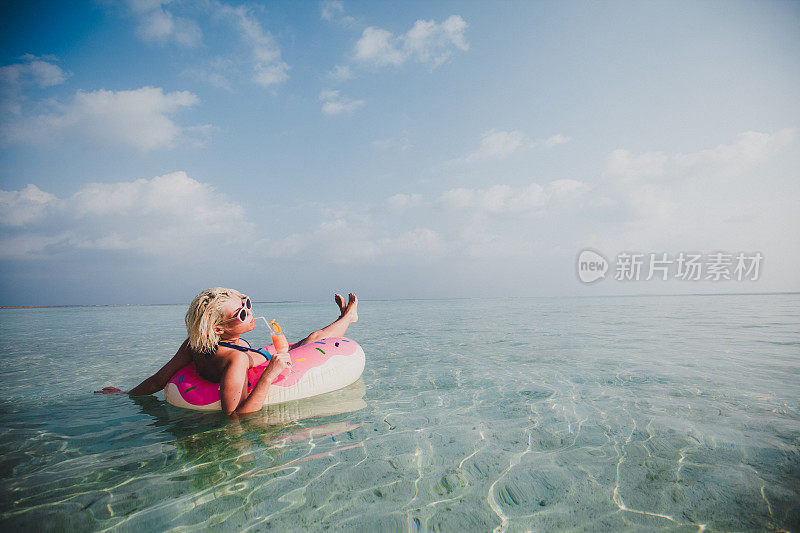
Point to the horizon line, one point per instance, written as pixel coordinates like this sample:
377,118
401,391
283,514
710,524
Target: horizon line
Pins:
421,299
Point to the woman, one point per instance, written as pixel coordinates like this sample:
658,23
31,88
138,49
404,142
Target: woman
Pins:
215,320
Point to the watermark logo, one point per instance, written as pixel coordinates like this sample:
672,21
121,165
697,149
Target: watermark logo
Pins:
591,266
683,266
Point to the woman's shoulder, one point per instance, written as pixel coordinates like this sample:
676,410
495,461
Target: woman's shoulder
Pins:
227,354
216,360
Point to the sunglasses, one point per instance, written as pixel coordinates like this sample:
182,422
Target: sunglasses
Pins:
241,314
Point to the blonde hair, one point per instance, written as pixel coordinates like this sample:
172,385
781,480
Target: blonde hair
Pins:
205,312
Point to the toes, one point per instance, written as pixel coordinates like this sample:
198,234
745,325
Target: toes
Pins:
339,301
351,299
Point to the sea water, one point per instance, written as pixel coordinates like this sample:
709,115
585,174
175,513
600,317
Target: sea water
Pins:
631,413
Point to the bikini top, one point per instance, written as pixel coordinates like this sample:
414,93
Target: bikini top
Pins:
245,349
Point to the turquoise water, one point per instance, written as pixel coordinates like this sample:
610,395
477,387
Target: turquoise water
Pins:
638,413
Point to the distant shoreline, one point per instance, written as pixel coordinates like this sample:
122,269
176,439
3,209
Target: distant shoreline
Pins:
423,299
117,305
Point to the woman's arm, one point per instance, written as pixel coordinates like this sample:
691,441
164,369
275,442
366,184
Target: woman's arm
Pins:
233,388
159,380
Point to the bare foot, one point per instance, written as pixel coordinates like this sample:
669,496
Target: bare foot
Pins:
350,311
340,302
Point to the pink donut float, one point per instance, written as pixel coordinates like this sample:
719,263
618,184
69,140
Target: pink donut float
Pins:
318,367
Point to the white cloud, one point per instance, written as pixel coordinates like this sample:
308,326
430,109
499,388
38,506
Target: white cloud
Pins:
333,11
334,104
33,71
698,200
638,186
39,71
337,107
216,72
433,44
622,165
141,118
403,201
566,189
668,209
336,239
749,148
340,73
29,245
426,42
171,214
651,201
157,24
18,208
555,140
401,143
270,74
503,198
330,9
333,226
357,241
378,47
725,160
169,192
328,94
268,68
496,144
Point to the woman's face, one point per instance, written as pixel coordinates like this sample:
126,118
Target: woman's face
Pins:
231,325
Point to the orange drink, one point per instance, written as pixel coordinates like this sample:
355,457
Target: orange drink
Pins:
279,341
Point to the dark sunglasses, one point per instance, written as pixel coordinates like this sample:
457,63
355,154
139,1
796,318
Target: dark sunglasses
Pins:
241,314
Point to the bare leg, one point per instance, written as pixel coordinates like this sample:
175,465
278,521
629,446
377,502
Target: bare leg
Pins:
339,327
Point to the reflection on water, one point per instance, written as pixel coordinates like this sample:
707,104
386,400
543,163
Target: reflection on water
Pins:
200,461
675,413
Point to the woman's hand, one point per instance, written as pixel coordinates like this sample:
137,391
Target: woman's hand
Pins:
278,363
234,378
110,390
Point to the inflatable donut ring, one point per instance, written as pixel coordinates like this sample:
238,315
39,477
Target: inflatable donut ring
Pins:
317,367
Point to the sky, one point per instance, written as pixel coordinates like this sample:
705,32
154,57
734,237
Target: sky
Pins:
150,149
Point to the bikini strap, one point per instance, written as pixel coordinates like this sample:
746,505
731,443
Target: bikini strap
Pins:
235,346
267,355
